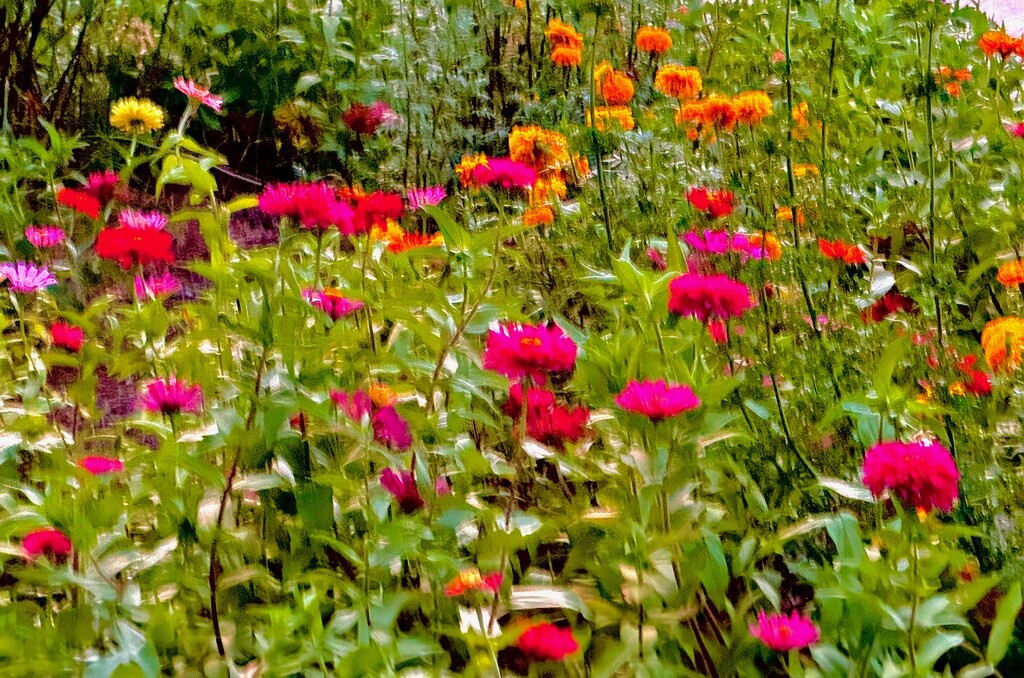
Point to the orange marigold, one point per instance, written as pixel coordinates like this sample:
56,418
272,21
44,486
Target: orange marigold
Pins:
752,107
1011,274
612,117
772,248
1003,342
409,241
561,34
998,42
381,395
546,188
581,165
785,213
799,115
802,169
681,82
566,57
535,216
713,111
542,149
653,40
615,88
465,168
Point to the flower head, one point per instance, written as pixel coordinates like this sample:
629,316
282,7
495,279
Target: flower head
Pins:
711,296
680,82
425,197
837,250
171,396
141,220
80,201
889,303
363,119
653,40
770,248
998,42
566,57
504,173
611,118
546,421
517,350
198,94
614,87
312,205
136,116
922,474
67,336
103,185
1016,129
48,542
356,405
375,210
657,400
44,237
24,277
470,579
713,203
782,633
752,107
1011,274
402,486
101,465
156,286
127,246
1003,343
561,34
390,430
544,641
536,216
332,302
542,149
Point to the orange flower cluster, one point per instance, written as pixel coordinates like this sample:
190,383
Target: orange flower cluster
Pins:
837,250
566,44
680,82
399,240
998,42
714,111
771,248
802,169
547,152
655,41
1003,343
803,127
535,216
612,117
382,395
614,87
752,107
464,169
952,80
785,213
1011,274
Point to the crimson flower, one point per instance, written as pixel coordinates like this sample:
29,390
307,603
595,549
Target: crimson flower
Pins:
67,336
127,246
544,641
311,205
171,396
657,400
713,203
102,185
80,201
1016,129
889,303
782,633
363,119
547,422
851,255
922,474
518,351
48,542
375,210
402,486
98,466
708,296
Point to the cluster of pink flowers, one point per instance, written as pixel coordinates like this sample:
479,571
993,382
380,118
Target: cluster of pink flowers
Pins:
311,205
519,351
922,474
657,400
504,173
708,296
720,241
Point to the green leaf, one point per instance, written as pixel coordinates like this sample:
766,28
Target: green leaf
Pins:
1002,629
456,238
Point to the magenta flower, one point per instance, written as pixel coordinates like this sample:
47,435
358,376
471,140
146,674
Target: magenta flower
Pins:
504,173
657,400
67,336
47,542
922,474
356,405
44,237
708,296
332,302
98,466
142,220
711,242
518,351
1016,129
390,429
782,633
157,286
544,641
311,205
103,185
25,277
657,259
198,94
171,396
402,486
421,197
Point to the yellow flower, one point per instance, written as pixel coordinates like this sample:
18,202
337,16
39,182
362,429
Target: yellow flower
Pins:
957,388
136,116
542,149
465,168
801,169
614,117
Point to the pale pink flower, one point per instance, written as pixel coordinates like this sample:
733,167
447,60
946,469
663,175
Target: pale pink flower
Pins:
157,286
25,277
44,237
197,93
421,197
142,220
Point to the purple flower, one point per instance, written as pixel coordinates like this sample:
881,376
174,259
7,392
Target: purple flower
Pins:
156,286
421,197
25,277
171,396
402,486
390,429
44,237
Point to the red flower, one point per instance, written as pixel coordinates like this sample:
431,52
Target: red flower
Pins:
375,210
979,384
518,351
546,642
363,119
1016,129
130,245
851,255
922,474
67,336
714,203
710,296
718,331
79,201
889,303
402,487
48,542
470,579
547,422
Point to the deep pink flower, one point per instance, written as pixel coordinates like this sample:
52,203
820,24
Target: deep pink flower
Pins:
708,296
719,331
517,351
657,400
922,474
332,302
157,286
546,642
103,185
48,542
363,119
311,205
171,396
504,173
1016,129
782,633
25,277
67,336
709,241
44,237
657,259
375,210
356,405
390,429
713,203
547,421
442,487
142,220
421,197
889,303
197,93
101,465
402,486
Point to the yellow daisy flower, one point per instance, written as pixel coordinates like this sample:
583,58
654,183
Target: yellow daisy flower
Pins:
136,116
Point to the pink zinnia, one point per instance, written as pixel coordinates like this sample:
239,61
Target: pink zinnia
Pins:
422,197
48,542
504,173
311,205
708,296
547,421
141,220
25,277
67,336
711,242
356,406
375,210
782,633
156,286
517,351
171,396
198,93
101,465
103,185
657,400
44,237
922,474
1016,129
546,642
402,486
390,430
332,302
